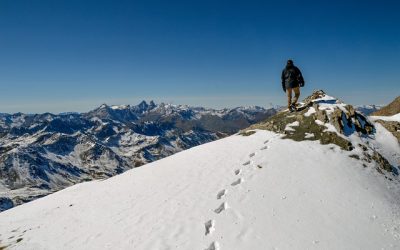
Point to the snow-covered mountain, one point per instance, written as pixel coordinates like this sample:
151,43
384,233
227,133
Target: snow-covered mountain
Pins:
43,153
367,109
325,177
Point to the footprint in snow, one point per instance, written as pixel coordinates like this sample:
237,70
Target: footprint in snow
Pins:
237,182
213,246
210,226
263,148
266,141
221,208
252,154
221,194
238,171
246,163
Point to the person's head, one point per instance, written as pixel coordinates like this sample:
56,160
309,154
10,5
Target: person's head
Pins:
289,62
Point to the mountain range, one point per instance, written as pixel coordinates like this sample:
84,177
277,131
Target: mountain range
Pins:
44,153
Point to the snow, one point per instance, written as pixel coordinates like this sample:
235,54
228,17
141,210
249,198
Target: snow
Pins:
395,118
331,128
326,98
310,111
241,192
329,104
294,124
120,107
386,144
17,121
290,125
321,123
309,135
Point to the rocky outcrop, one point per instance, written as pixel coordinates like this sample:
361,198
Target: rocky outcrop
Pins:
347,120
390,109
327,120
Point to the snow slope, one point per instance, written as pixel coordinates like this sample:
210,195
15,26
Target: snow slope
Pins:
241,192
395,118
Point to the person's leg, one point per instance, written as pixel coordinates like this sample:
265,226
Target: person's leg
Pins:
296,95
289,96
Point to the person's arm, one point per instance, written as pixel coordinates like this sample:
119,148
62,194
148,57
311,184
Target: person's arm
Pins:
283,80
300,77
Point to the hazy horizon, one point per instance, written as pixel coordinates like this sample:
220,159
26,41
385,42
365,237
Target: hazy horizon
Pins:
82,107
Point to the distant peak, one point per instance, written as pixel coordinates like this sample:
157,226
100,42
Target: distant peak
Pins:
143,103
102,106
143,106
147,106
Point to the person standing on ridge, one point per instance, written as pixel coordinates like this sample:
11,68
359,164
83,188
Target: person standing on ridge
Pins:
292,80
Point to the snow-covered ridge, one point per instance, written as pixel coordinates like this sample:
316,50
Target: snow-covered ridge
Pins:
240,193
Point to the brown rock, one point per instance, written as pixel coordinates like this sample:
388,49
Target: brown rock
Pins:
336,120
322,116
389,110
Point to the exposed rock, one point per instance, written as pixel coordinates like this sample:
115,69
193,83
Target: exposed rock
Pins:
321,115
247,133
314,96
355,156
346,122
337,120
382,162
390,109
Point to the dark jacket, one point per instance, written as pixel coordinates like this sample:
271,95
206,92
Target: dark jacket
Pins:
291,77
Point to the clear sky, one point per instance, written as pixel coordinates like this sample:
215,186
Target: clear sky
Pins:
74,55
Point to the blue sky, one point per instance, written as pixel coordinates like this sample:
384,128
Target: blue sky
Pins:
75,55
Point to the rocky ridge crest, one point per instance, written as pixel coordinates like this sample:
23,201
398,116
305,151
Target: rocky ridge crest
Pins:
328,120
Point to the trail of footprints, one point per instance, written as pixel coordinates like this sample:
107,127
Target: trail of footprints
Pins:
210,224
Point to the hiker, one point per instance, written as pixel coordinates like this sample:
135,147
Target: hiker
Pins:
292,80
